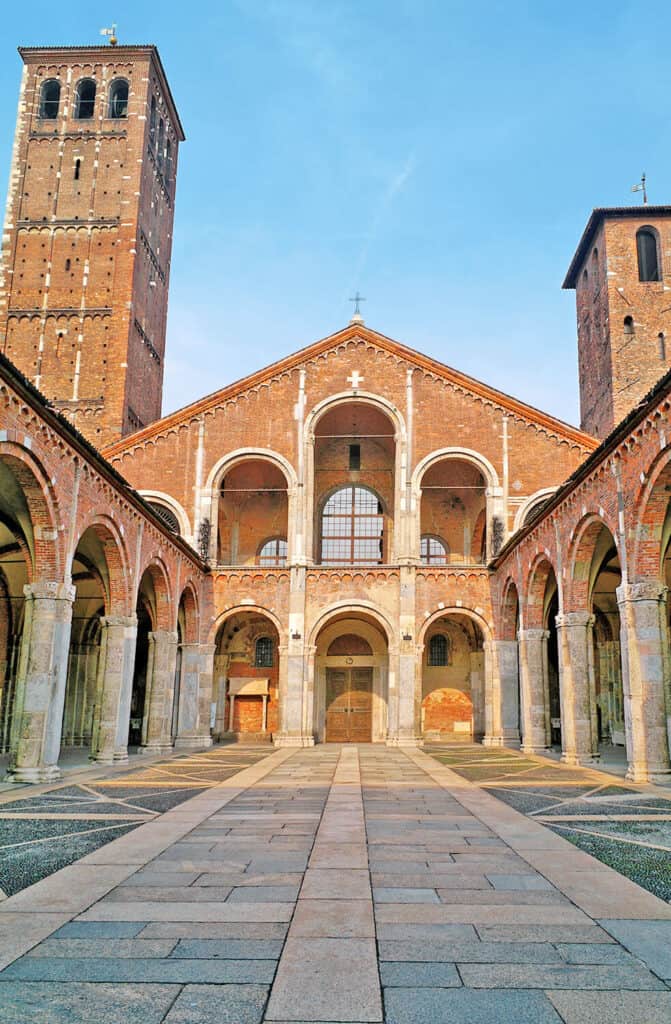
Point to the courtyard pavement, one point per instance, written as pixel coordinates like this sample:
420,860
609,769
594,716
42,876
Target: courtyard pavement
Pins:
339,883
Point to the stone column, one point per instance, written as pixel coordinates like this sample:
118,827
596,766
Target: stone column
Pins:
576,687
160,684
533,684
206,695
406,675
642,634
484,683
493,711
40,689
114,686
188,714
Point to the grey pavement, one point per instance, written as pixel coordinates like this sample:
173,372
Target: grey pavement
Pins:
345,884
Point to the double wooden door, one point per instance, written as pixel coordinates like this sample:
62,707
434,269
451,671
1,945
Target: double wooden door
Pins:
349,705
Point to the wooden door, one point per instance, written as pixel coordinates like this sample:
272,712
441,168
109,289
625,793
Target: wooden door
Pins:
349,705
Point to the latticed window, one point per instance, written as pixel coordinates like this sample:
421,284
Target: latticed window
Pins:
85,99
118,102
167,515
352,528
264,652
433,550
439,650
273,552
50,97
648,260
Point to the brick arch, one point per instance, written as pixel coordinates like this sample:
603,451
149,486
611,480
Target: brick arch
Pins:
45,520
117,596
189,610
509,610
455,454
469,613
383,405
541,573
353,608
160,610
239,609
580,561
652,504
235,458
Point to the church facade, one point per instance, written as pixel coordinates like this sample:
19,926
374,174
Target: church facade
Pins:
355,544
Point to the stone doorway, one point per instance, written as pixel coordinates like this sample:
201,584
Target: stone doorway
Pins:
349,705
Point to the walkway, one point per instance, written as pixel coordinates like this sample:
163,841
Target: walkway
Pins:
337,884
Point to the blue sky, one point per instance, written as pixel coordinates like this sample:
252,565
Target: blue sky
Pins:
442,157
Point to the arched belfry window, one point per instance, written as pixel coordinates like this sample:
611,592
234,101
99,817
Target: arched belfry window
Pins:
85,99
648,255
118,99
433,550
161,143
439,650
273,552
352,528
264,652
628,325
50,97
152,122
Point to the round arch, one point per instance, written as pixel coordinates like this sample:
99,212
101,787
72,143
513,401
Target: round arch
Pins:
581,559
188,603
509,609
470,613
352,608
651,523
42,507
534,500
240,609
166,499
540,572
482,464
162,612
353,397
116,561
228,462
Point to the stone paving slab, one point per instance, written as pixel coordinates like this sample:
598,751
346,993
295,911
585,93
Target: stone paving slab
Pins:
55,1003
613,1007
466,1006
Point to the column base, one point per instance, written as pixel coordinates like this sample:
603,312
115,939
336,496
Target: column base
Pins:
156,748
403,741
646,773
293,741
535,748
580,760
493,741
42,773
193,742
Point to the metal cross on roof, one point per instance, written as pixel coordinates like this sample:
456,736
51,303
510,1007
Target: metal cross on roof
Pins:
356,300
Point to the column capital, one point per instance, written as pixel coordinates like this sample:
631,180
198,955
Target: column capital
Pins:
50,591
165,635
535,633
573,619
644,590
118,620
207,648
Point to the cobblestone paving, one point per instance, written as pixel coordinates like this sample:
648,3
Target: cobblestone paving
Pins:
342,884
42,833
625,826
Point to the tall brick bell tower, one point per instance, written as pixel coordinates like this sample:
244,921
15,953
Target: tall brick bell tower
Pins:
621,273
88,233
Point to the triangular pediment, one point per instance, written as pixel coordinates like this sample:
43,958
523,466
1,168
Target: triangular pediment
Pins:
353,335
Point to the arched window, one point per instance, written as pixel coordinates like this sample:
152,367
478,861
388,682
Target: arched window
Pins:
439,650
85,99
161,143
152,122
167,515
352,528
264,652
168,161
50,97
661,346
628,325
118,99
433,550
648,260
273,552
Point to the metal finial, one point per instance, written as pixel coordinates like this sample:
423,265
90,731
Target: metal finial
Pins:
641,188
111,35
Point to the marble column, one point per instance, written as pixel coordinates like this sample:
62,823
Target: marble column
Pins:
642,639
114,686
502,721
576,687
40,690
533,685
405,671
160,689
296,684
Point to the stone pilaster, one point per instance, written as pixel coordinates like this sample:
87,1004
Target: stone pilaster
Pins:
296,681
405,671
193,713
160,689
502,695
642,636
40,690
576,687
533,686
114,687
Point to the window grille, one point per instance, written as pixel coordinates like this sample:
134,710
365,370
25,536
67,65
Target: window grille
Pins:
264,651
439,650
273,552
433,551
167,515
352,528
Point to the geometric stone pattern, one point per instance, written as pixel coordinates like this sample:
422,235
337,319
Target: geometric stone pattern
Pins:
340,884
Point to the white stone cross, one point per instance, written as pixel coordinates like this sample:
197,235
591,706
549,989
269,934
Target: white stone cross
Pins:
355,379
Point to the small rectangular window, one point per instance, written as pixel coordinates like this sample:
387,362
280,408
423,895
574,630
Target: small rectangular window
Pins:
355,456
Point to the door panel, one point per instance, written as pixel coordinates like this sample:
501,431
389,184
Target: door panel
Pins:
349,705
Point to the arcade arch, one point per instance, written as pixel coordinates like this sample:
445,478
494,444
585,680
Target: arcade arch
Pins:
453,678
246,674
